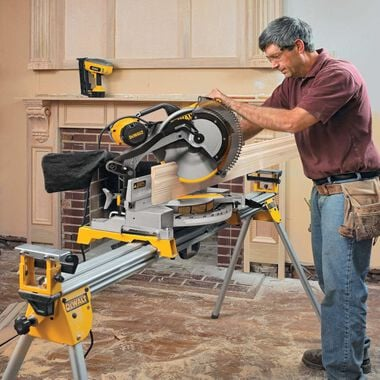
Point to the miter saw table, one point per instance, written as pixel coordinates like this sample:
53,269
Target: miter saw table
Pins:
58,288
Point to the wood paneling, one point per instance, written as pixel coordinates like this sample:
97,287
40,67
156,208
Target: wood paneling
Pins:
149,29
42,210
85,114
150,33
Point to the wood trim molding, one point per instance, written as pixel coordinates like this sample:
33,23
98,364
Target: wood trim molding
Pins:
260,155
38,113
46,34
43,224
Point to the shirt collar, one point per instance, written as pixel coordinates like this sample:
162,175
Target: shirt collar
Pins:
323,55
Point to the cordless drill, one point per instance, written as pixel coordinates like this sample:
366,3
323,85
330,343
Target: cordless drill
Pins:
97,67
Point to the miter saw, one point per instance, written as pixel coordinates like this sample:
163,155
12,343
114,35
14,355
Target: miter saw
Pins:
203,139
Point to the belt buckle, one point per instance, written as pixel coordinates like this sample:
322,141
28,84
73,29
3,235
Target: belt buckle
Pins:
356,177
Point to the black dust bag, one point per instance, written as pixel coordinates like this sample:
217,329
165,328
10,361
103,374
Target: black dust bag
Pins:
72,171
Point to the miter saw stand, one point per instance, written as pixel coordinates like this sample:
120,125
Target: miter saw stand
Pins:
60,311
262,206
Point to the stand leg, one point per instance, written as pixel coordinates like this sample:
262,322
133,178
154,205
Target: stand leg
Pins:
299,269
17,357
78,364
231,268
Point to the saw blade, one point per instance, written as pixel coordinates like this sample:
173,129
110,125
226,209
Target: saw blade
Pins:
193,165
198,165
212,146
232,147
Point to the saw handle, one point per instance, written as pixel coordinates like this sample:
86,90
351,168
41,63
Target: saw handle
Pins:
169,109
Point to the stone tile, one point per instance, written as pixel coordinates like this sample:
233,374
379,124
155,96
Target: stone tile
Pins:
200,284
167,280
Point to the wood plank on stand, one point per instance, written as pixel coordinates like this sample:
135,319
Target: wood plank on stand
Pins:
254,156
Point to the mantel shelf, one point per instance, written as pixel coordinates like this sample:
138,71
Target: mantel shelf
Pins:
137,98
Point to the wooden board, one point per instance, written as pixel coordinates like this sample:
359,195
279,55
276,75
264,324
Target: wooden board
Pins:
254,156
7,317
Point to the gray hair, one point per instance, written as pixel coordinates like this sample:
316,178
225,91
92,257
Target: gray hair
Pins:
284,31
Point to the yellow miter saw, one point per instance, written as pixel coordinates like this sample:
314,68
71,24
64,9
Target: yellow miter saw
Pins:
203,139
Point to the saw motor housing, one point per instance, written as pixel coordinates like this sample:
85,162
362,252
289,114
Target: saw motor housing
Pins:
129,131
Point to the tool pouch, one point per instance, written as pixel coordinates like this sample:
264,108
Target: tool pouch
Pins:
361,210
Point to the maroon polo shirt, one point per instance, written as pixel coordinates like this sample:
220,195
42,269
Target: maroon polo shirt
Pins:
340,142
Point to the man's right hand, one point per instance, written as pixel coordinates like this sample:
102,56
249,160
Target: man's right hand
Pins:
218,95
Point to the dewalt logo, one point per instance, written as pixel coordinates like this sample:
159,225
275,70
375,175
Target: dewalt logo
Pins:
136,134
188,116
139,185
76,302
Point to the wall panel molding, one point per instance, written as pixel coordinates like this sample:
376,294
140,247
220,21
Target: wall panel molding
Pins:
46,35
42,208
125,33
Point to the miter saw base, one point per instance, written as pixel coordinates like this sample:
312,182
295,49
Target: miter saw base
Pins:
146,222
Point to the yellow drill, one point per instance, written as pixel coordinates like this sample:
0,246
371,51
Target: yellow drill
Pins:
97,67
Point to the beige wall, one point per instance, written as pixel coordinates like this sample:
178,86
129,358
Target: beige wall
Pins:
17,82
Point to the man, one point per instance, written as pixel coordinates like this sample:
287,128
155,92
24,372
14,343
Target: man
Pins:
324,102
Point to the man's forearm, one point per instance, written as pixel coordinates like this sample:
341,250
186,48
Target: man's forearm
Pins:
275,119
248,129
261,117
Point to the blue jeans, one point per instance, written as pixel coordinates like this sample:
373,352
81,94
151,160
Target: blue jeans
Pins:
342,265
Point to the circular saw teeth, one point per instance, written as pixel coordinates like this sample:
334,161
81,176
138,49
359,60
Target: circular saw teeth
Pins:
236,136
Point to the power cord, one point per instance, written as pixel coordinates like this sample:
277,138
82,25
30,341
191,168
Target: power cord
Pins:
91,344
87,198
85,210
86,204
86,207
7,341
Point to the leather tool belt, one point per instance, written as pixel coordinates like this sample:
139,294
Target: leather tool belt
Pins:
329,189
357,176
362,202
333,184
